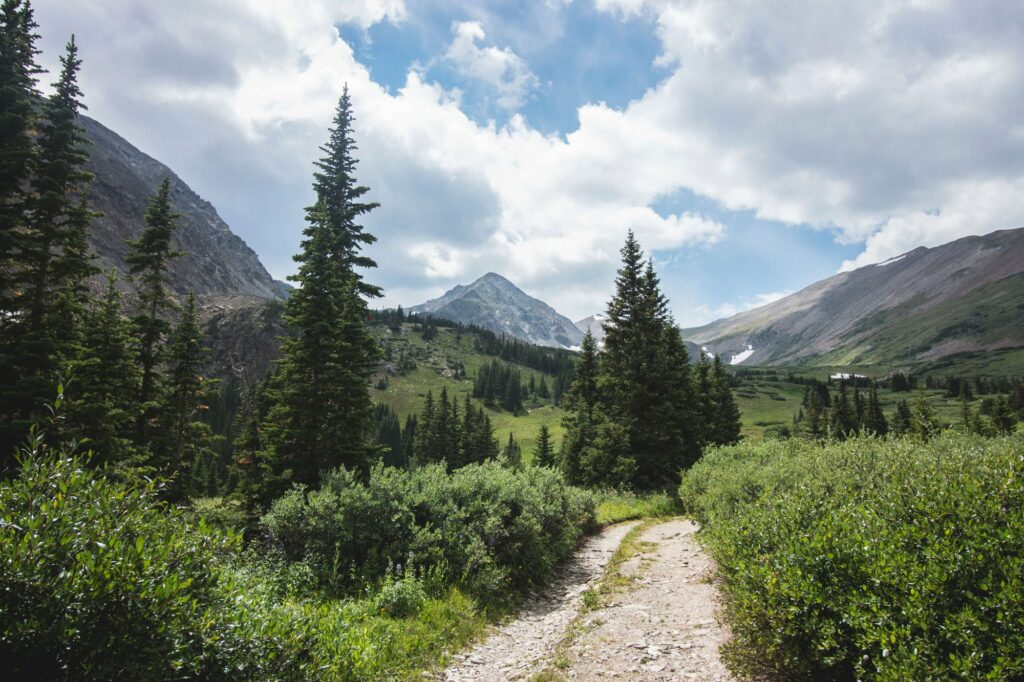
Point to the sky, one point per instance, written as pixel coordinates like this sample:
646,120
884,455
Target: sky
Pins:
753,147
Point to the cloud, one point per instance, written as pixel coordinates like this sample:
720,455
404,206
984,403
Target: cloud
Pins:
703,314
886,122
500,69
878,119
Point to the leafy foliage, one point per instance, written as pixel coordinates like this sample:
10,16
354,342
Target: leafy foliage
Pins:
870,559
492,530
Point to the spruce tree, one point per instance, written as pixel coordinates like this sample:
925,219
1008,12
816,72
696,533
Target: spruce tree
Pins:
543,452
815,416
148,258
844,418
18,152
324,416
645,382
1004,421
52,260
923,421
580,403
902,419
512,455
875,423
726,419
184,439
103,405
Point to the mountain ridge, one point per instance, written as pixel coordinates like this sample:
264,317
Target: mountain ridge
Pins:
919,306
217,263
495,303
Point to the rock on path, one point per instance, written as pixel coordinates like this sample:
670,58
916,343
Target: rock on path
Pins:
519,648
665,627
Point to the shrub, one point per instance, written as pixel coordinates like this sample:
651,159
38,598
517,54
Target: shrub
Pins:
400,596
870,559
492,530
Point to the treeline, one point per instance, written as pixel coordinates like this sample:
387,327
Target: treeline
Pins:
132,387
823,415
637,412
445,433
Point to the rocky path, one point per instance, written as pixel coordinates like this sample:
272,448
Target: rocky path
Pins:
664,628
518,649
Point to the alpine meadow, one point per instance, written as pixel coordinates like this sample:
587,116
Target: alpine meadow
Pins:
781,441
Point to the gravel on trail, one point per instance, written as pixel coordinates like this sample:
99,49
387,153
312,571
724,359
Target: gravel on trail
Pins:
517,649
663,627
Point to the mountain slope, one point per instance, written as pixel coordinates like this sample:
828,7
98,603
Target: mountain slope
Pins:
967,295
595,323
217,263
494,303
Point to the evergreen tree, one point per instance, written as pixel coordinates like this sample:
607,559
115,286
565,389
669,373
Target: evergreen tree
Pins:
103,402
512,456
543,453
388,435
859,408
1004,421
53,259
923,420
543,392
426,443
18,92
815,420
645,383
148,258
409,440
844,418
324,415
902,419
875,422
184,438
726,419
580,403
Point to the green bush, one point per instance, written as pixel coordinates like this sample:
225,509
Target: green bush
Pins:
870,559
494,531
400,596
101,581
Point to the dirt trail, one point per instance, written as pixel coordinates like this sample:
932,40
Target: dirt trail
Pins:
665,627
518,649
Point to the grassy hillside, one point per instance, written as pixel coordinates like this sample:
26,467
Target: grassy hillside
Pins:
449,360
768,398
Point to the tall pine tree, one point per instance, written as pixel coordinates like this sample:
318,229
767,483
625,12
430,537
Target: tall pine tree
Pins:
148,258
18,152
324,415
184,441
52,260
103,403
645,382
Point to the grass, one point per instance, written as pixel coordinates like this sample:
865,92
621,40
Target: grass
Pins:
615,506
436,360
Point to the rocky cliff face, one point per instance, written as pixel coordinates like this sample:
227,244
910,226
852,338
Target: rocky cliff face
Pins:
494,303
967,295
217,262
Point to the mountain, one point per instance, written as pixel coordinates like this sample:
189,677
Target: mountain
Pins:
967,295
216,264
595,324
494,303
